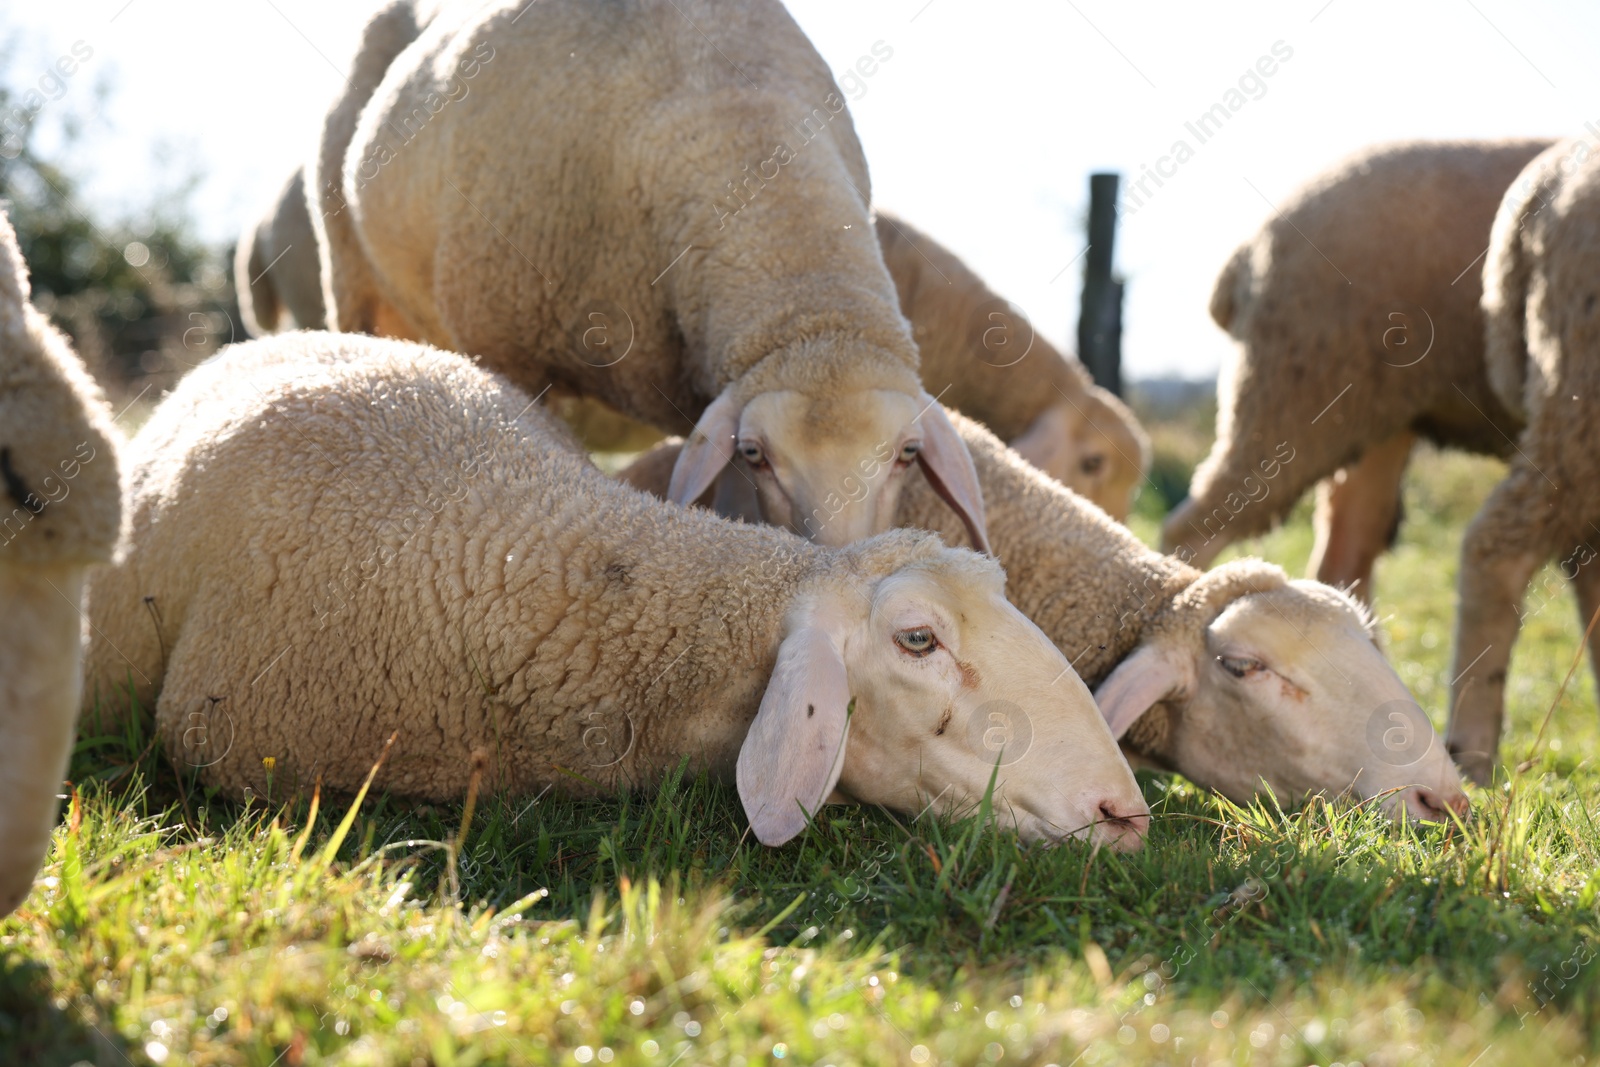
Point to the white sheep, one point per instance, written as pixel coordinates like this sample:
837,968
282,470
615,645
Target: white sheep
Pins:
1542,353
660,204
977,353
981,356
60,513
344,536
1234,678
1356,314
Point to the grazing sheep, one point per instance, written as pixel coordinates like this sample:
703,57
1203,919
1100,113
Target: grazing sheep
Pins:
60,512
277,269
1540,283
982,357
1086,438
708,263
343,537
1356,312
1232,678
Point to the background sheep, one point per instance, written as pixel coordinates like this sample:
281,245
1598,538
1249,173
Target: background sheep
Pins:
982,357
1543,355
60,512
1233,678
1356,313
445,563
710,257
277,269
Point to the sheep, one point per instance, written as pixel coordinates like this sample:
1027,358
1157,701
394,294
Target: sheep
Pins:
1233,678
336,537
277,268
60,515
1542,352
982,357
660,204
1356,315
1087,439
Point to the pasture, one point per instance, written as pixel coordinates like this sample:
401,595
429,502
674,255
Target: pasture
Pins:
172,927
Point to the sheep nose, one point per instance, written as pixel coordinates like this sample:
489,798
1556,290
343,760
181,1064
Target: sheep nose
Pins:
1120,825
1430,806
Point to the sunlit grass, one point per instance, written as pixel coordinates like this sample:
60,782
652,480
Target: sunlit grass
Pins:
169,927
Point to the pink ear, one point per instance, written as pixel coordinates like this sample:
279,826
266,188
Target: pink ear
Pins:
708,449
794,752
948,467
1151,674
1046,442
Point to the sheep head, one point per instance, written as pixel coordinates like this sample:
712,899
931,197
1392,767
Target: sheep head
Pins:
1260,680
918,689
1092,446
830,466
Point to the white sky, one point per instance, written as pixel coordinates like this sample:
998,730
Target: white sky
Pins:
981,129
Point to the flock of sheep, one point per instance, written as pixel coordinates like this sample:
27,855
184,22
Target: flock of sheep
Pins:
658,213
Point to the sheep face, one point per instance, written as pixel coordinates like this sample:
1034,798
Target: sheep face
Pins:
1287,689
947,687
830,468
1089,449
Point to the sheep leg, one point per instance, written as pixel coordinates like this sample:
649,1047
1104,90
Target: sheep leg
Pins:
1503,548
41,677
1586,583
1358,514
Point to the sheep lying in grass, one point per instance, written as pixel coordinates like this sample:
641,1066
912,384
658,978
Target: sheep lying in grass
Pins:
60,512
344,536
1233,678
1540,281
1356,312
981,357
277,269
708,263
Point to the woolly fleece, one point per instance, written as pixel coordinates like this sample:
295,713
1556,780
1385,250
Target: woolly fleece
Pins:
343,536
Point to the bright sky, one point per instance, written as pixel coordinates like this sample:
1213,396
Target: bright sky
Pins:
981,128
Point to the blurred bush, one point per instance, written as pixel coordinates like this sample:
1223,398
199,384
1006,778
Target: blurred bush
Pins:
142,297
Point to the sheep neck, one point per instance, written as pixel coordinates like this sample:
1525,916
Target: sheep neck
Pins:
780,262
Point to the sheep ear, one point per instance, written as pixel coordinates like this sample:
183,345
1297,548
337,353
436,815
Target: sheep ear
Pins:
708,449
948,467
1045,441
794,752
1152,674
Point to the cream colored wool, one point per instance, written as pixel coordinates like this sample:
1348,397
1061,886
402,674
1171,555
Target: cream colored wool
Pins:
60,512
1109,602
342,537
277,271
1356,314
981,357
716,236
1541,278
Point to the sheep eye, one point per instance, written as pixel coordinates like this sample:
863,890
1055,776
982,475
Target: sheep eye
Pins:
752,454
1091,464
909,451
1241,666
917,641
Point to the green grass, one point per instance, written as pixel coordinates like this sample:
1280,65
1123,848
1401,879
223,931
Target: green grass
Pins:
172,927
